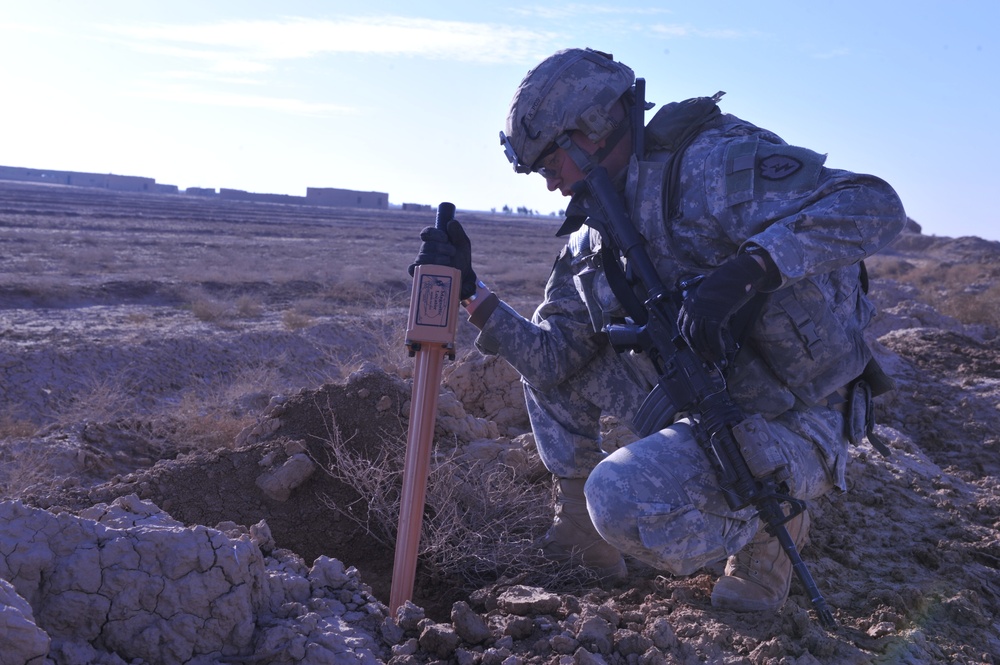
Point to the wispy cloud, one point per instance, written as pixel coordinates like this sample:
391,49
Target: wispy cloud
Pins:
179,92
683,30
586,9
293,37
630,19
243,53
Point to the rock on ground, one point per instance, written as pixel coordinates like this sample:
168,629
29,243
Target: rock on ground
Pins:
129,580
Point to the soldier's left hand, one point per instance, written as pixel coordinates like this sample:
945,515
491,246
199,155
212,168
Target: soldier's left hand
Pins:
450,247
705,313
435,249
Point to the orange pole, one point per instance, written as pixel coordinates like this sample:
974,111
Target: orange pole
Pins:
430,336
420,439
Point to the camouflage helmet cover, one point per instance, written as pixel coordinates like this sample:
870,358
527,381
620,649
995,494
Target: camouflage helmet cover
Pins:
573,89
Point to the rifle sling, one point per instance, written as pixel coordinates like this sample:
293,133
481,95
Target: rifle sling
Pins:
619,284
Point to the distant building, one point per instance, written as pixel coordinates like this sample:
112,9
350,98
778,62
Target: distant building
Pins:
315,196
121,183
201,191
346,198
240,195
34,175
417,207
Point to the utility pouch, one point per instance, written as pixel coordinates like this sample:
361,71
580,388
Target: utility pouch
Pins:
860,417
587,277
876,378
760,449
805,345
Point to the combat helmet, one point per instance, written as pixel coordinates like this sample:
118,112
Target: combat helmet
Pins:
573,89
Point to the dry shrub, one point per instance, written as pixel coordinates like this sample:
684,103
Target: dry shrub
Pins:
388,317
209,428
975,305
249,307
138,318
211,310
965,291
23,466
223,311
211,419
203,417
12,427
296,320
888,267
383,320
99,398
480,522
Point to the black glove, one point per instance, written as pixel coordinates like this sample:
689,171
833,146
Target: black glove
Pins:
705,313
452,249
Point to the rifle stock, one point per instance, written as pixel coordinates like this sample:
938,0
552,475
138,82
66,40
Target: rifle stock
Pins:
741,449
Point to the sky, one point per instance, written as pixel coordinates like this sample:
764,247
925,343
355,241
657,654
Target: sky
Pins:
409,98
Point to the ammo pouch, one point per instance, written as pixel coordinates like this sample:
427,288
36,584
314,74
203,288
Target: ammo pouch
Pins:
807,347
859,418
815,355
590,280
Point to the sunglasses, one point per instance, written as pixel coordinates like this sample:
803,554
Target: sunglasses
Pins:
548,162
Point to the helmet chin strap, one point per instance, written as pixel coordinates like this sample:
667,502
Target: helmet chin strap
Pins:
584,160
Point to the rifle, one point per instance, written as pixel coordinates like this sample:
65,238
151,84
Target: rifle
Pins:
742,449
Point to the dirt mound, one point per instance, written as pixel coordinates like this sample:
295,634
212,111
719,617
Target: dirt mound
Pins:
310,511
225,485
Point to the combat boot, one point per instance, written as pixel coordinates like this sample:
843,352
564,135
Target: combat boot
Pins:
759,576
572,536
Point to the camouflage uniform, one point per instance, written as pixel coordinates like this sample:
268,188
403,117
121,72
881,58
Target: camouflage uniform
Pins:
740,188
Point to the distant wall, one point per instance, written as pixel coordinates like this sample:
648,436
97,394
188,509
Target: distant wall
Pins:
240,195
123,183
201,191
417,207
330,196
316,196
36,175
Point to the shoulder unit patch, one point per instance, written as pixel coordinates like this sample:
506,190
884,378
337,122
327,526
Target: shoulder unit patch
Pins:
778,167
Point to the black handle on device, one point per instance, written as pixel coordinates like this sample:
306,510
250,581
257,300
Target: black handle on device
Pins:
446,213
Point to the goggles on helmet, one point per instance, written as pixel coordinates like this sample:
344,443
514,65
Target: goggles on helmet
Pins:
537,167
511,153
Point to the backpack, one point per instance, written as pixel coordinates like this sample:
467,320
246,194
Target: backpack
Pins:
815,351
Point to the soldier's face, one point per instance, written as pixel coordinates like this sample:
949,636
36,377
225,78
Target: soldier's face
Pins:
561,172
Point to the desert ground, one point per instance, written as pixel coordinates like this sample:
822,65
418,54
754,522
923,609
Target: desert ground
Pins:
203,412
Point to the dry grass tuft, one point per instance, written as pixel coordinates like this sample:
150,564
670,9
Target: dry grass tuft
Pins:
481,520
211,310
249,307
99,398
12,427
388,315
968,292
23,466
293,319
208,427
